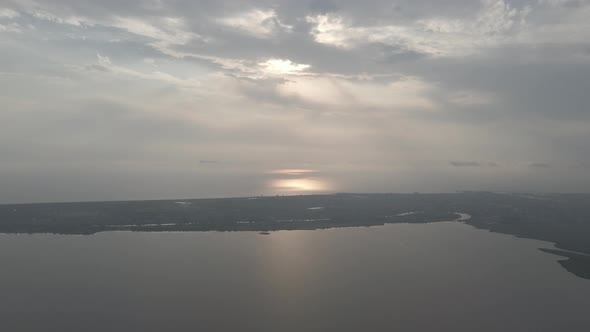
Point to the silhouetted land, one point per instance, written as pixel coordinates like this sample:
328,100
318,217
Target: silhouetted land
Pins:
578,264
560,218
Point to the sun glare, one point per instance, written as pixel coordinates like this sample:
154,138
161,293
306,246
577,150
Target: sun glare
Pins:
279,66
299,185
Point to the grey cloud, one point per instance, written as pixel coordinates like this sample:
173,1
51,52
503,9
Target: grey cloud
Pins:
175,88
474,164
465,163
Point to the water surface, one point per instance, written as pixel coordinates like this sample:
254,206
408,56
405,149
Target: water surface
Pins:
407,277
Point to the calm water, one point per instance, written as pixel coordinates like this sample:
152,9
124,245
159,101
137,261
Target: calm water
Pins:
432,277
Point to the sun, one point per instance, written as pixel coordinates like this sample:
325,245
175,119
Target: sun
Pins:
299,185
280,66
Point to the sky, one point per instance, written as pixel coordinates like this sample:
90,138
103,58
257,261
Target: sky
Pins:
155,99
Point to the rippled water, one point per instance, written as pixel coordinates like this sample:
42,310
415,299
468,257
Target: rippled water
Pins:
428,277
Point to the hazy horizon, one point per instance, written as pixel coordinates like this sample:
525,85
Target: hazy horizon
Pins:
181,199
149,99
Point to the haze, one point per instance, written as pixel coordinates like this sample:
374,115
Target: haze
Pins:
109,100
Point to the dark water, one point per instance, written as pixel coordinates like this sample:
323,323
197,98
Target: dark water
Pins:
431,277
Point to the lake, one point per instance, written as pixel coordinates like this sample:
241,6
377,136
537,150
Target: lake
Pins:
445,276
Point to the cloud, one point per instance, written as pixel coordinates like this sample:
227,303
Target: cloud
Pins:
261,23
495,23
8,13
104,64
279,66
169,31
294,172
13,27
374,96
406,93
465,163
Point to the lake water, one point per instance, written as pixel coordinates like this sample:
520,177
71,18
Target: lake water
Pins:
426,277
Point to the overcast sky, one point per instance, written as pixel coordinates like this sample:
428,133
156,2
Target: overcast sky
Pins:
110,99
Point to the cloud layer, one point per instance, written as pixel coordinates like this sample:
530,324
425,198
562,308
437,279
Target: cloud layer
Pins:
166,99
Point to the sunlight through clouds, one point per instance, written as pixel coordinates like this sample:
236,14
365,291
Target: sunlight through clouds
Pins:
378,96
279,66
